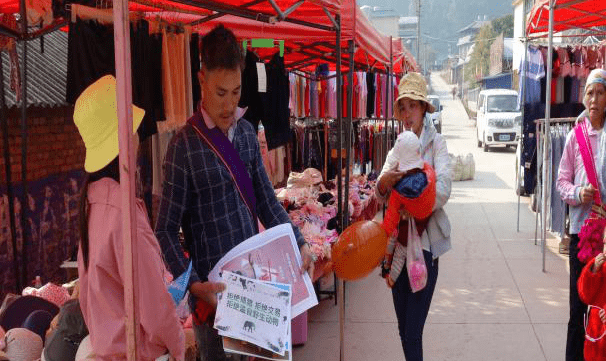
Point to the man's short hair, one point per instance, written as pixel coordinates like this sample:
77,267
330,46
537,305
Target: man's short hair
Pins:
220,50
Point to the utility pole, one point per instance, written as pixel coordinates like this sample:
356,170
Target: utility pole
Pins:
418,29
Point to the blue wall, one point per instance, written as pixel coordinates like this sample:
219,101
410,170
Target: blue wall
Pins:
497,82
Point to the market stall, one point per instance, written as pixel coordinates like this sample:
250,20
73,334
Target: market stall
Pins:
366,50
546,18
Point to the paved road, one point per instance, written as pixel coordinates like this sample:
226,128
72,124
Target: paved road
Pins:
492,300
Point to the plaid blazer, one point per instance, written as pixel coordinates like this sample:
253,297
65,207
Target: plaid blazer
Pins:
200,197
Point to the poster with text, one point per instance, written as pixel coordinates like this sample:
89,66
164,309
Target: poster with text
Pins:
254,311
271,256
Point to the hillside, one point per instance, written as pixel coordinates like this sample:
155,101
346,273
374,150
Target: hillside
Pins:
443,18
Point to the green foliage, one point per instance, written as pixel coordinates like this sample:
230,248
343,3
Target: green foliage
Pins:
503,25
479,64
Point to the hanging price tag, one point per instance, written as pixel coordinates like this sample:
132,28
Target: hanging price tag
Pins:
262,77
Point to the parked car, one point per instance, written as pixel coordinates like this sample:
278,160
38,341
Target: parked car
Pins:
437,115
498,119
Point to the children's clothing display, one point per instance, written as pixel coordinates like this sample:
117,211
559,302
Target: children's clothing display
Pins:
313,208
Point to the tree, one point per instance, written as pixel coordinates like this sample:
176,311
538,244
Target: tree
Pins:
479,64
503,25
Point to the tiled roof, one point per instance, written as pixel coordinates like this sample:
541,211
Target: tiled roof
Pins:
46,72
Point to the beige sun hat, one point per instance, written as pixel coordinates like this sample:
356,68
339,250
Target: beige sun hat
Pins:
413,86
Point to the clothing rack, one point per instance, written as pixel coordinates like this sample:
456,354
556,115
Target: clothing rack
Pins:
105,16
544,145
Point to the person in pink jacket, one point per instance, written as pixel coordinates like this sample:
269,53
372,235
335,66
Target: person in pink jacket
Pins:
578,193
592,290
100,257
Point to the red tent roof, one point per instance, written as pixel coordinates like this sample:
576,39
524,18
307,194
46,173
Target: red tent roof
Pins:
372,47
568,14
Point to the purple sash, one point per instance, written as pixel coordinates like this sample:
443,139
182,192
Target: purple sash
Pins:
227,153
588,160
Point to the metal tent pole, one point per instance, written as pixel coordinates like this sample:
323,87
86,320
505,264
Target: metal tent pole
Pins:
522,102
348,126
390,100
385,109
340,298
24,199
127,167
547,138
9,183
340,226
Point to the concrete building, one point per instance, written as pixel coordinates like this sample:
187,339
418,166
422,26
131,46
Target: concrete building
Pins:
467,35
383,19
467,38
407,31
518,30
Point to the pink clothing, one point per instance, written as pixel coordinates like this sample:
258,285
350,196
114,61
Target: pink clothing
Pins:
102,286
572,176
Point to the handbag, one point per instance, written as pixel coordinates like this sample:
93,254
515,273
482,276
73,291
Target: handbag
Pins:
591,234
415,261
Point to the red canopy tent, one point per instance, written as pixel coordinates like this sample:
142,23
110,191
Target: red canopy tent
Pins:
568,14
304,25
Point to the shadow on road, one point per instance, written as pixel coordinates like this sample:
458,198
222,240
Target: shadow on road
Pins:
501,149
487,180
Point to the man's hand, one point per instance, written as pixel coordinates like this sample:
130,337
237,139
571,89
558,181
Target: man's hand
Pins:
207,291
308,260
389,179
587,194
599,261
603,316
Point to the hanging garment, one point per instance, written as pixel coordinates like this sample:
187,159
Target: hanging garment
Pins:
565,65
314,112
9,22
370,87
147,79
190,107
323,98
250,97
558,207
276,115
265,153
307,97
292,101
332,95
194,52
91,56
363,95
174,81
535,71
568,90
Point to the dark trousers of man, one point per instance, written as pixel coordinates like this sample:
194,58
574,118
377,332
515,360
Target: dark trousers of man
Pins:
412,309
210,345
576,331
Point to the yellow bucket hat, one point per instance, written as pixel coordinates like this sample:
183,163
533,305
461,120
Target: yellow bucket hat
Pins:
413,86
96,117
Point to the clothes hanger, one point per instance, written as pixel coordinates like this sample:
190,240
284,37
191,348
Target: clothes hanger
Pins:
263,43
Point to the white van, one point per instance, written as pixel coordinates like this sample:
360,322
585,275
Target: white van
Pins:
498,119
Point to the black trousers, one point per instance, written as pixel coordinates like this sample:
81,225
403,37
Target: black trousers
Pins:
576,332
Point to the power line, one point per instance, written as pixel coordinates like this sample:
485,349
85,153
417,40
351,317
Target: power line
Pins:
440,39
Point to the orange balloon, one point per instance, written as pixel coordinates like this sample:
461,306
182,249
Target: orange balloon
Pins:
360,249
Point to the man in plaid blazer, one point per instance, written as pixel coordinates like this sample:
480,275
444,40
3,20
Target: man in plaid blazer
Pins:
215,186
